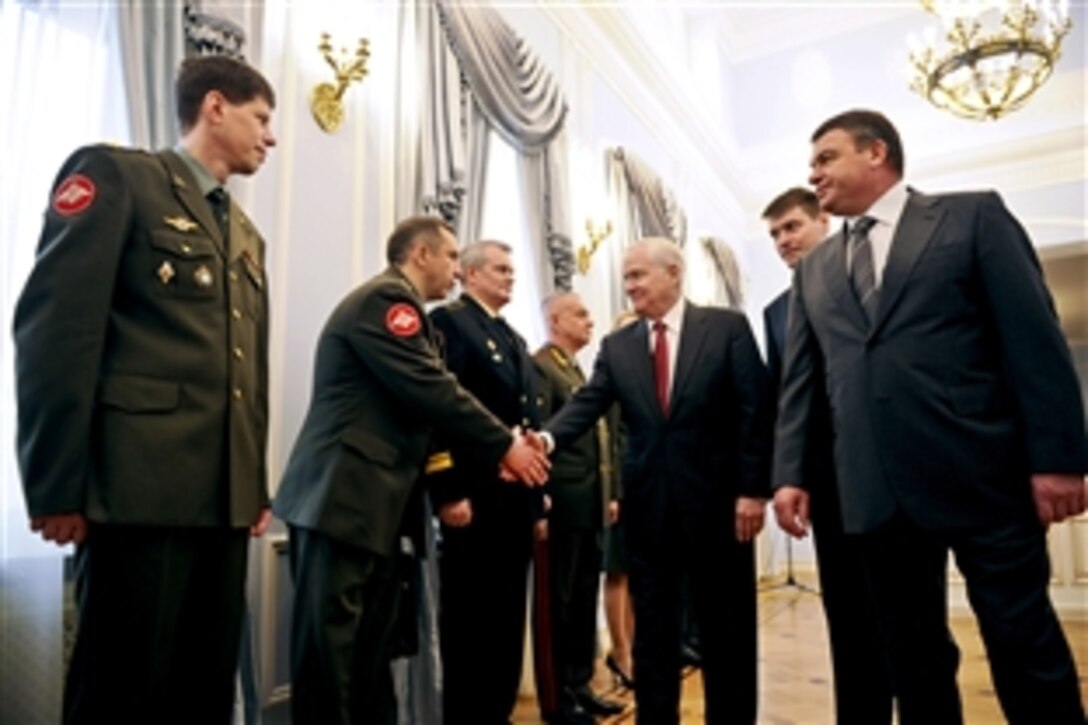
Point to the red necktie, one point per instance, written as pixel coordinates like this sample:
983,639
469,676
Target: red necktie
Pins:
661,366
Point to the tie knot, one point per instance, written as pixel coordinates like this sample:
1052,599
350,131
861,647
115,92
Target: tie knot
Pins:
861,227
659,326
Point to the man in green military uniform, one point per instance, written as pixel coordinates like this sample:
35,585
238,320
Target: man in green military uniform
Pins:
581,500
141,379
380,391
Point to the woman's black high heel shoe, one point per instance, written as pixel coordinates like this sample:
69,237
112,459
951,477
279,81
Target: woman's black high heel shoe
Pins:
622,678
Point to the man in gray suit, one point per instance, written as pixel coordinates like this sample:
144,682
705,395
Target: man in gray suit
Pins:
380,390
957,419
142,383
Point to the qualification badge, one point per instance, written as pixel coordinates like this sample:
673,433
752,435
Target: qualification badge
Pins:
203,277
166,272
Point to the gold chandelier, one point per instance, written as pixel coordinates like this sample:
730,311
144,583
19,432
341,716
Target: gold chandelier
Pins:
993,55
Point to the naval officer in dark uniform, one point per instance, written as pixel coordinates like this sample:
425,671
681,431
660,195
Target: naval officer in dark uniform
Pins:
380,390
487,526
141,377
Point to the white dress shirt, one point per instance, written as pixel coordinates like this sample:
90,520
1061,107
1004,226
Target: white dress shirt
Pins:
886,211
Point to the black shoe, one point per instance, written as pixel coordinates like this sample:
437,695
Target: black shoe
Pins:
594,705
622,678
690,657
572,715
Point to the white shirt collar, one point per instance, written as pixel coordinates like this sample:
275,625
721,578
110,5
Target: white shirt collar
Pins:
888,208
674,318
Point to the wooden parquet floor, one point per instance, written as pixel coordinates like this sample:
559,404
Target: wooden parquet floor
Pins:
795,674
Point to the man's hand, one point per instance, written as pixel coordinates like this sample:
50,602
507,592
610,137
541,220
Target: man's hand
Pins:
524,462
1058,496
749,517
61,528
540,530
613,512
791,510
264,518
457,514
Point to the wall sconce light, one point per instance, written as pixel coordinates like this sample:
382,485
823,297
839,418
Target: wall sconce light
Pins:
325,101
596,236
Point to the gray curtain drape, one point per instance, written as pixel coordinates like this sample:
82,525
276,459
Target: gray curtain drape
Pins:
728,286
523,103
152,46
657,213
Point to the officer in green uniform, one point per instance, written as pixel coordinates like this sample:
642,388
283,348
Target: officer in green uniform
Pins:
380,391
141,379
582,499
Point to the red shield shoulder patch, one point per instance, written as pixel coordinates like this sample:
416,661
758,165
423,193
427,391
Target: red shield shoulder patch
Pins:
402,320
74,195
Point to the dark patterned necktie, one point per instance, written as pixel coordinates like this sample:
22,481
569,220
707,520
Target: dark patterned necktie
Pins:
219,201
661,365
862,269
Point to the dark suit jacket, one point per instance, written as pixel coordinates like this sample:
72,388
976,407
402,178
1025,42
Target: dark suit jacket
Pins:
712,447
141,352
377,398
819,465
580,484
961,388
491,361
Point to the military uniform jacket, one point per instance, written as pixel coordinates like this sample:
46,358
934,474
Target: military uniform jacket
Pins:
580,483
141,350
380,391
492,361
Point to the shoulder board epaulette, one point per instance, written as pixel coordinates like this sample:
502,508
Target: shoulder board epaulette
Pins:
558,356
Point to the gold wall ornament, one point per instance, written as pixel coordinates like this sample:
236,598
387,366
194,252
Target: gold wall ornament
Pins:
992,56
325,99
595,236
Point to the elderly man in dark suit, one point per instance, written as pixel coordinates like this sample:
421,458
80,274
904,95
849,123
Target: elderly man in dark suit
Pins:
582,500
693,394
487,525
862,691
141,376
380,391
957,417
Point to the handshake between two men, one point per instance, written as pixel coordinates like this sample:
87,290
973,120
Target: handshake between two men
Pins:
526,460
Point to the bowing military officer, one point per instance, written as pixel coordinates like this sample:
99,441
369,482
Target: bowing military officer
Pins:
141,381
580,489
487,525
380,391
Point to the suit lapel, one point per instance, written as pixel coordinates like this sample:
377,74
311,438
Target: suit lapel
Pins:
187,192
833,266
692,338
637,350
920,218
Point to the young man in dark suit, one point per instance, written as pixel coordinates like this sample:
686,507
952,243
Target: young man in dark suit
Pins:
581,503
693,394
957,417
141,377
380,391
862,690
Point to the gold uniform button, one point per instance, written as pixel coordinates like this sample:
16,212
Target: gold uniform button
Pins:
236,313
524,399
524,422
186,248
237,393
239,354
233,276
